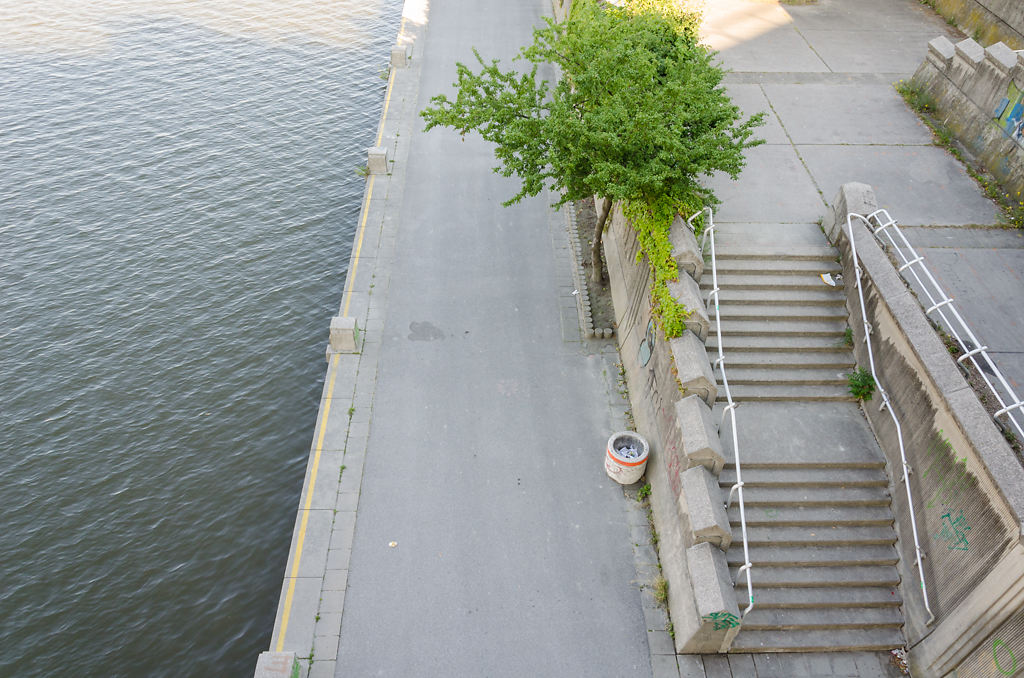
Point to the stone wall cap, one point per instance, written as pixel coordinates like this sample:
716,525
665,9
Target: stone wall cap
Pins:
970,51
942,47
1001,56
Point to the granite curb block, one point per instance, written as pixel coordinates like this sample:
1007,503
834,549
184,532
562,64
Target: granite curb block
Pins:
701,500
701,441
693,367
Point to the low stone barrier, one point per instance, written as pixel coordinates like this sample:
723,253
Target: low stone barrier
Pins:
671,390
978,95
967,484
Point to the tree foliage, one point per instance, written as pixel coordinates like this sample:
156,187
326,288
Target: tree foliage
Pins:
638,112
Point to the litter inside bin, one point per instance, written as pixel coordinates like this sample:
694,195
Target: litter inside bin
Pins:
628,452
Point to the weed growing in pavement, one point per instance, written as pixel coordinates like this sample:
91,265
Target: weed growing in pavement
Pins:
661,591
862,384
643,492
847,339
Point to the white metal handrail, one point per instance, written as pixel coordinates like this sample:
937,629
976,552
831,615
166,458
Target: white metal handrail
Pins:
730,408
1010,403
886,405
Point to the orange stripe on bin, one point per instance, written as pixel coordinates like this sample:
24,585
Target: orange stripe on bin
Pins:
623,462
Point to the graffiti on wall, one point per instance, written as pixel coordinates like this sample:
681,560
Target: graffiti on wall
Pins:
1009,113
951,477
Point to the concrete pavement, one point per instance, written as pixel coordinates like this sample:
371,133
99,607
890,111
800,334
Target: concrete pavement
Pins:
824,73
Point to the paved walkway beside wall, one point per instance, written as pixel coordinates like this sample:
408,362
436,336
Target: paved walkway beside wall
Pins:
457,519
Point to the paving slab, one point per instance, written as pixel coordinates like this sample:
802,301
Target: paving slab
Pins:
870,51
870,15
773,187
751,99
917,184
757,38
846,114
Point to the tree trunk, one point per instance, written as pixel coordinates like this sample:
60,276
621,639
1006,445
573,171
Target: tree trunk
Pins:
597,268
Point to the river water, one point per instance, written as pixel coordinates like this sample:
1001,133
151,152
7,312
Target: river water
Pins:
178,194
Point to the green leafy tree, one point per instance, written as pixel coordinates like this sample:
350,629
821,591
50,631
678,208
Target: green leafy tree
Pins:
638,113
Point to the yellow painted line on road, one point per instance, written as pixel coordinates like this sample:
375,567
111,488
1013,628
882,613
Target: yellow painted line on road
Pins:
290,595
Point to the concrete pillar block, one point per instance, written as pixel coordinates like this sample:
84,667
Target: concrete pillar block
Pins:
399,56
970,51
703,503
701,442
692,367
941,52
1001,57
344,335
377,160
687,292
685,250
277,665
718,616
853,196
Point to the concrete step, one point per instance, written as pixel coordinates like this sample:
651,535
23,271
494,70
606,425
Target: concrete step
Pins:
815,556
814,597
824,535
782,392
734,246
759,311
777,266
839,361
792,376
794,619
787,281
798,516
807,327
880,639
824,297
799,476
775,344
849,576
815,496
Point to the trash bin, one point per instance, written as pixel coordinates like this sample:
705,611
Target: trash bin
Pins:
626,457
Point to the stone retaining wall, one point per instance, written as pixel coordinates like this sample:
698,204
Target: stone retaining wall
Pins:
967,484
979,95
987,20
671,390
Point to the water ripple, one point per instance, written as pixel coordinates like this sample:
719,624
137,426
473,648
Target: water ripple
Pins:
177,200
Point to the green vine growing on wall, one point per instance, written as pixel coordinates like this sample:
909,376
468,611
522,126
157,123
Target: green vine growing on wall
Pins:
652,222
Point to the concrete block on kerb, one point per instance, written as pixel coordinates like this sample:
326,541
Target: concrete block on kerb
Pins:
684,249
276,665
941,52
399,56
377,160
701,442
693,368
718,616
344,335
687,292
1001,57
702,501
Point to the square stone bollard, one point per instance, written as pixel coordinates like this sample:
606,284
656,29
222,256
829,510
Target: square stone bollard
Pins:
687,292
377,160
718,616
399,56
701,443
344,336
702,501
693,368
276,665
685,250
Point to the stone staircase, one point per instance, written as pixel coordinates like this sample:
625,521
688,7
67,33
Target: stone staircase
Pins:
782,326
819,523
